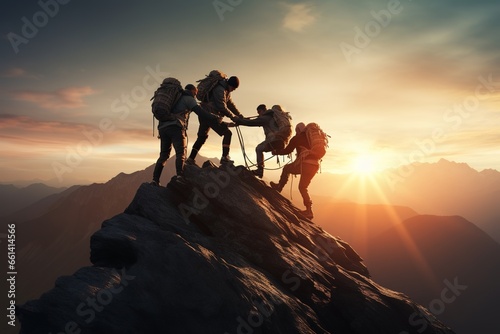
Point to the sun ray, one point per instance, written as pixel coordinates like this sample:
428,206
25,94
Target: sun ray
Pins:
408,241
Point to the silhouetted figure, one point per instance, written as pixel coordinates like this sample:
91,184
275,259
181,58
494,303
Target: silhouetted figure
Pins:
274,140
173,133
220,104
304,165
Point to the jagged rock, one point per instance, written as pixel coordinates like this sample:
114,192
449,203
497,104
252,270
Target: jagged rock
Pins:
218,251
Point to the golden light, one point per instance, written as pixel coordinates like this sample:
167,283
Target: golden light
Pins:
364,164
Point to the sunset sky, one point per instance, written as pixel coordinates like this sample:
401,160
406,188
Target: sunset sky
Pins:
392,82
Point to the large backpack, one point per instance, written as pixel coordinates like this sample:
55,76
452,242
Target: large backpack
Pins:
164,99
284,122
208,83
318,141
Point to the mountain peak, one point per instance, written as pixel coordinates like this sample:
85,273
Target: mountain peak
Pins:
218,251
444,162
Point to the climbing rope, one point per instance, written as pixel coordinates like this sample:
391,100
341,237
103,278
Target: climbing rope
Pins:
247,159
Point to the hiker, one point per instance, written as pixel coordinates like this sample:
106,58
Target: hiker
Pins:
173,132
305,165
274,140
220,104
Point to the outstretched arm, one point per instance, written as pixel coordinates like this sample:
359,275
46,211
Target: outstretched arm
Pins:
259,121
202,113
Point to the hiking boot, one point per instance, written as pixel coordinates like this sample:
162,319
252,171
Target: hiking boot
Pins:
308,212
259,172
190,161
178,177
155,183
275,186
226,160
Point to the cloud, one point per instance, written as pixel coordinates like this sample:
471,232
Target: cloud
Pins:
25,127
17,72
298,17
27,131
70,98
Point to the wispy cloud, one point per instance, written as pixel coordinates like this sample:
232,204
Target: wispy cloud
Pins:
71,97
299,16
24,129
17,72
25,126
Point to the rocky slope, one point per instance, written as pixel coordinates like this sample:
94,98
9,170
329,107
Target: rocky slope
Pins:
220,252
56,241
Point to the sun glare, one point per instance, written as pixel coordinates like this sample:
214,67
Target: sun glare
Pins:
364,164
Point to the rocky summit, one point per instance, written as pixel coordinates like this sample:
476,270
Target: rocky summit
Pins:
218,251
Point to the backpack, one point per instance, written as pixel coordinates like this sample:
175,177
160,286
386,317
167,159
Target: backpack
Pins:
208,83
318,141
283,120
165,98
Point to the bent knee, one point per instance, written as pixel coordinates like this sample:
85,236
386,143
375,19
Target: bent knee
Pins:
202,138
303,189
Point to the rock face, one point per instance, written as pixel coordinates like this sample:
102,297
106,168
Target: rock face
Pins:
220,252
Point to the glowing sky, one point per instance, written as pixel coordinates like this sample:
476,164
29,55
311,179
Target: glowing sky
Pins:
392,82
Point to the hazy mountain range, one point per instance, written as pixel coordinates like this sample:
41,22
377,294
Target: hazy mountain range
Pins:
442,188
427,254
14,198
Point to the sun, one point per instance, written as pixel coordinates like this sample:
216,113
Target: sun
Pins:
364,164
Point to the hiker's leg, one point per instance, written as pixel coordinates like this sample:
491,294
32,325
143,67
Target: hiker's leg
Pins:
226,143
165,147
285,174
265,146
203,130
307,174
259,150
179,143
226,140
291,168
223,130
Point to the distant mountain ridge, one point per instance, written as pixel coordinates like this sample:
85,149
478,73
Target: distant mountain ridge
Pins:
13,198
450,188
425,254
38,208
356,223
441,188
